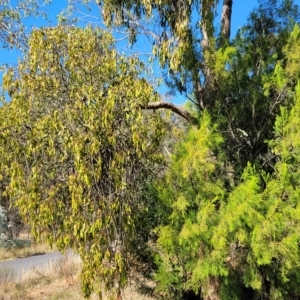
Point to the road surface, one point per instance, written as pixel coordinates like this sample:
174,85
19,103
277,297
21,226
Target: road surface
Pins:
15,267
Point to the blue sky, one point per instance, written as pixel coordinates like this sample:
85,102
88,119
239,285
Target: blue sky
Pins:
241,10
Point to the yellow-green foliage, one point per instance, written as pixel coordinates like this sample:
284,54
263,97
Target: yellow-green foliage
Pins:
77,146
193,192
240,237
244,236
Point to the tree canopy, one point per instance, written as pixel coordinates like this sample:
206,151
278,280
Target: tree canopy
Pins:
77,148
210,203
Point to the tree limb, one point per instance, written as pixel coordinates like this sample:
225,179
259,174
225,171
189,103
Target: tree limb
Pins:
167,105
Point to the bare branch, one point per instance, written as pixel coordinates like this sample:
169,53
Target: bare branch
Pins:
177,110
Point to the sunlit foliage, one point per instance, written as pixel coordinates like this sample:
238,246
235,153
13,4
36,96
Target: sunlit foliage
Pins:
77,147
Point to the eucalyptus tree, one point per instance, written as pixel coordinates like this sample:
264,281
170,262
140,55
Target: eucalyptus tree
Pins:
212,71
13,15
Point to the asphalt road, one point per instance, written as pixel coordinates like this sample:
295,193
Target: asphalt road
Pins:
31,262
17,266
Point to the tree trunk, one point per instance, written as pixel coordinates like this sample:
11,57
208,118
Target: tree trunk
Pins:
211,291
226,18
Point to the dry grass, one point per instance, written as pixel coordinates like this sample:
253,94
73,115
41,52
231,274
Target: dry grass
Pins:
34,249
57,281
